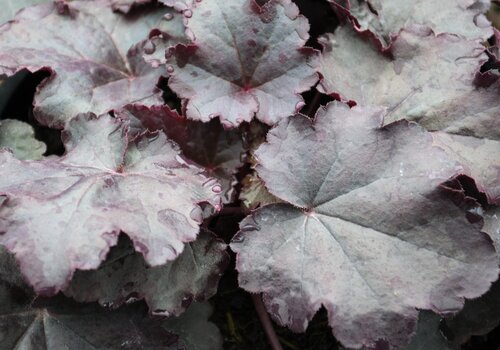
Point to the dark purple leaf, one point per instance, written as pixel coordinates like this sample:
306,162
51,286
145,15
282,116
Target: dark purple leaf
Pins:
482,315
92,53
32,324
480,156
368,230
385,18
11,7
243,60
431,80
64,214
207,144
167,289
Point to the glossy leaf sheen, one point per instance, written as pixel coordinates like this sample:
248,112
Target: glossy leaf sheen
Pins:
91,53
63,214
244,60
167,289
368,232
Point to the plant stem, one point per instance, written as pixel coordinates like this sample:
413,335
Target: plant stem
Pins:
266,322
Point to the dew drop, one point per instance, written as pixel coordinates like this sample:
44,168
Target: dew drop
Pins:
160,312
131,300
170,69
299,106
188,13
108,305
248,228
239,238
149,47
168,16
217,189
154,63
179,5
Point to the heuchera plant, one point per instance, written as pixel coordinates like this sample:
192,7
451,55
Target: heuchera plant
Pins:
362,159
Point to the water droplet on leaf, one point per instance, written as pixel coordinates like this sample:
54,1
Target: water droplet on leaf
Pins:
217,189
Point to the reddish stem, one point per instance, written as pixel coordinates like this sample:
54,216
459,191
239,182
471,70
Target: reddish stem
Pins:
266,322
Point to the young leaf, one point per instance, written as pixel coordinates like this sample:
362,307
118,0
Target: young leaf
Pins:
385,18
167,289
367,231
254,193
244,60
63,214
91,53
207,144
20,138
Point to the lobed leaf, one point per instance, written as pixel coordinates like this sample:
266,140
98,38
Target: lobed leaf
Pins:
368,230
63,214
207,144
385,18
481,156
415,85
94,57
244,60
481,315
36,323
167,289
